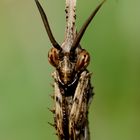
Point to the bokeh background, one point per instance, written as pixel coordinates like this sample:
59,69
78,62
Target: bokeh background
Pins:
113,40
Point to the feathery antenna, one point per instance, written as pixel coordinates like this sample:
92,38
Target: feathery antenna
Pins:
47,26
85,25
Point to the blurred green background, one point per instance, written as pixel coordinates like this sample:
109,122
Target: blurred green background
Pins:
113,40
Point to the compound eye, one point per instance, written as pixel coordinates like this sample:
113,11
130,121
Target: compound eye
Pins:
82,60
53,57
